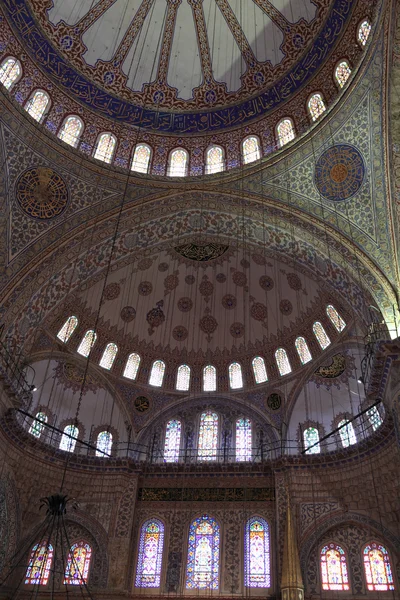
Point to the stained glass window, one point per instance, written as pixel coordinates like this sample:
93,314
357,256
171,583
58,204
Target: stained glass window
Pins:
109,355
105,147
251,149
243,440
68,438
104,443
183,378
172,440
259,369
378,571
38,424
67,329
148,572
10,71
71,130
209,378
78,563
208,436
316,106
342,72
178,163
335,318
347,434
311,440
203,554
132,366
39,566
235,376
257,565
363,32
141,158
87,343
37,104
374,417
334,568
214,160
321,335
303,350
285,132
157,373
282,360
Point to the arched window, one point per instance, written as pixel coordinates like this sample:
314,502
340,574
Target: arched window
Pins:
104,443
334,568
178,163
68,438
335,318
303,350
203,554
285,131
342,72
374,417
243,440
208,436
109,355
132,366
257,563
347,434
321,335
39,566
78,563
316,106
363,32
282,360
183,378
37,104
157,373
251,149
148,571
141,158
105,147
38,424
311,441
67,329
378,571
10,72
71,130
235,376
209,378
214,159
259,369
172,440
87,343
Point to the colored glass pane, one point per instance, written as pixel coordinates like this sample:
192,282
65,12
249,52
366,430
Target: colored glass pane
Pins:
282,360
378,570
68,438
346,432
215,159
148,572
78,563
243,440
311,440
321,335
235,376
36,105
251,150
342,72
259,369
203,554
285,131
374,417
364,31
303,350
109,355
316,106
257,567
141,158
183,378
67,329
208,436
104,444
71,130
335,318
105,147
38,424
132,366
334,568
209,378
172,441
157,373
178,163
10,70
39,566
87,343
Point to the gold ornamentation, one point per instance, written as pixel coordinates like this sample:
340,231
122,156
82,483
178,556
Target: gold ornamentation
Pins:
335,369
41,193
201,253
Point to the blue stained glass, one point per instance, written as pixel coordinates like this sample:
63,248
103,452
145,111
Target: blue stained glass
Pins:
172,441
257,566
148,573
203,554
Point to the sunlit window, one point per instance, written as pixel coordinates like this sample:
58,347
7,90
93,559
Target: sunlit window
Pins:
347,434
282,360
235,376
335,318
257,563
363,32
132,366
334,570
183,378
78,563
68,438
172,440
141,158
151,545
214,160
374,417
259,369
104,443
71,130
203,558
67,329
209,379
243,440
87,343
377,567
39,566
316,106
321,335
109,354
303,350
157,373
208,436
311,441
105,147
285,131
251,149
342,72
38,424
37,105
10,72
178,163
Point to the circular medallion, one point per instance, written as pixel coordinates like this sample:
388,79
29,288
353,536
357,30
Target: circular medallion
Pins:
190,279
185,304
128,313
339,172
41,193
208,324
145,288
144,264
141,403
259,311
274,401
229,302
112,291
180,333
237,330
266,283
285,306
294,281
221,278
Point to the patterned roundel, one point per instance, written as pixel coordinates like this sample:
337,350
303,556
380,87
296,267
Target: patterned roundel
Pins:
41,193
339,172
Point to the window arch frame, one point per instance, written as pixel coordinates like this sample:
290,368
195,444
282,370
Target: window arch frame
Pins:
84,574
176,452
20,74
68,334
114,149
91,345
204,455
137,368
329,341
157,385
186,389
340,318
288,361
303,428
100,453
30,101
267,553
390,585
149,162
81,130
159,574
215,553
264,366
316,119
277,135
335,77
35,422
187,163
215,377
44,577
303,362
109,346
341,426
258,152
345,585
361,22
209,168
72,439
230,377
